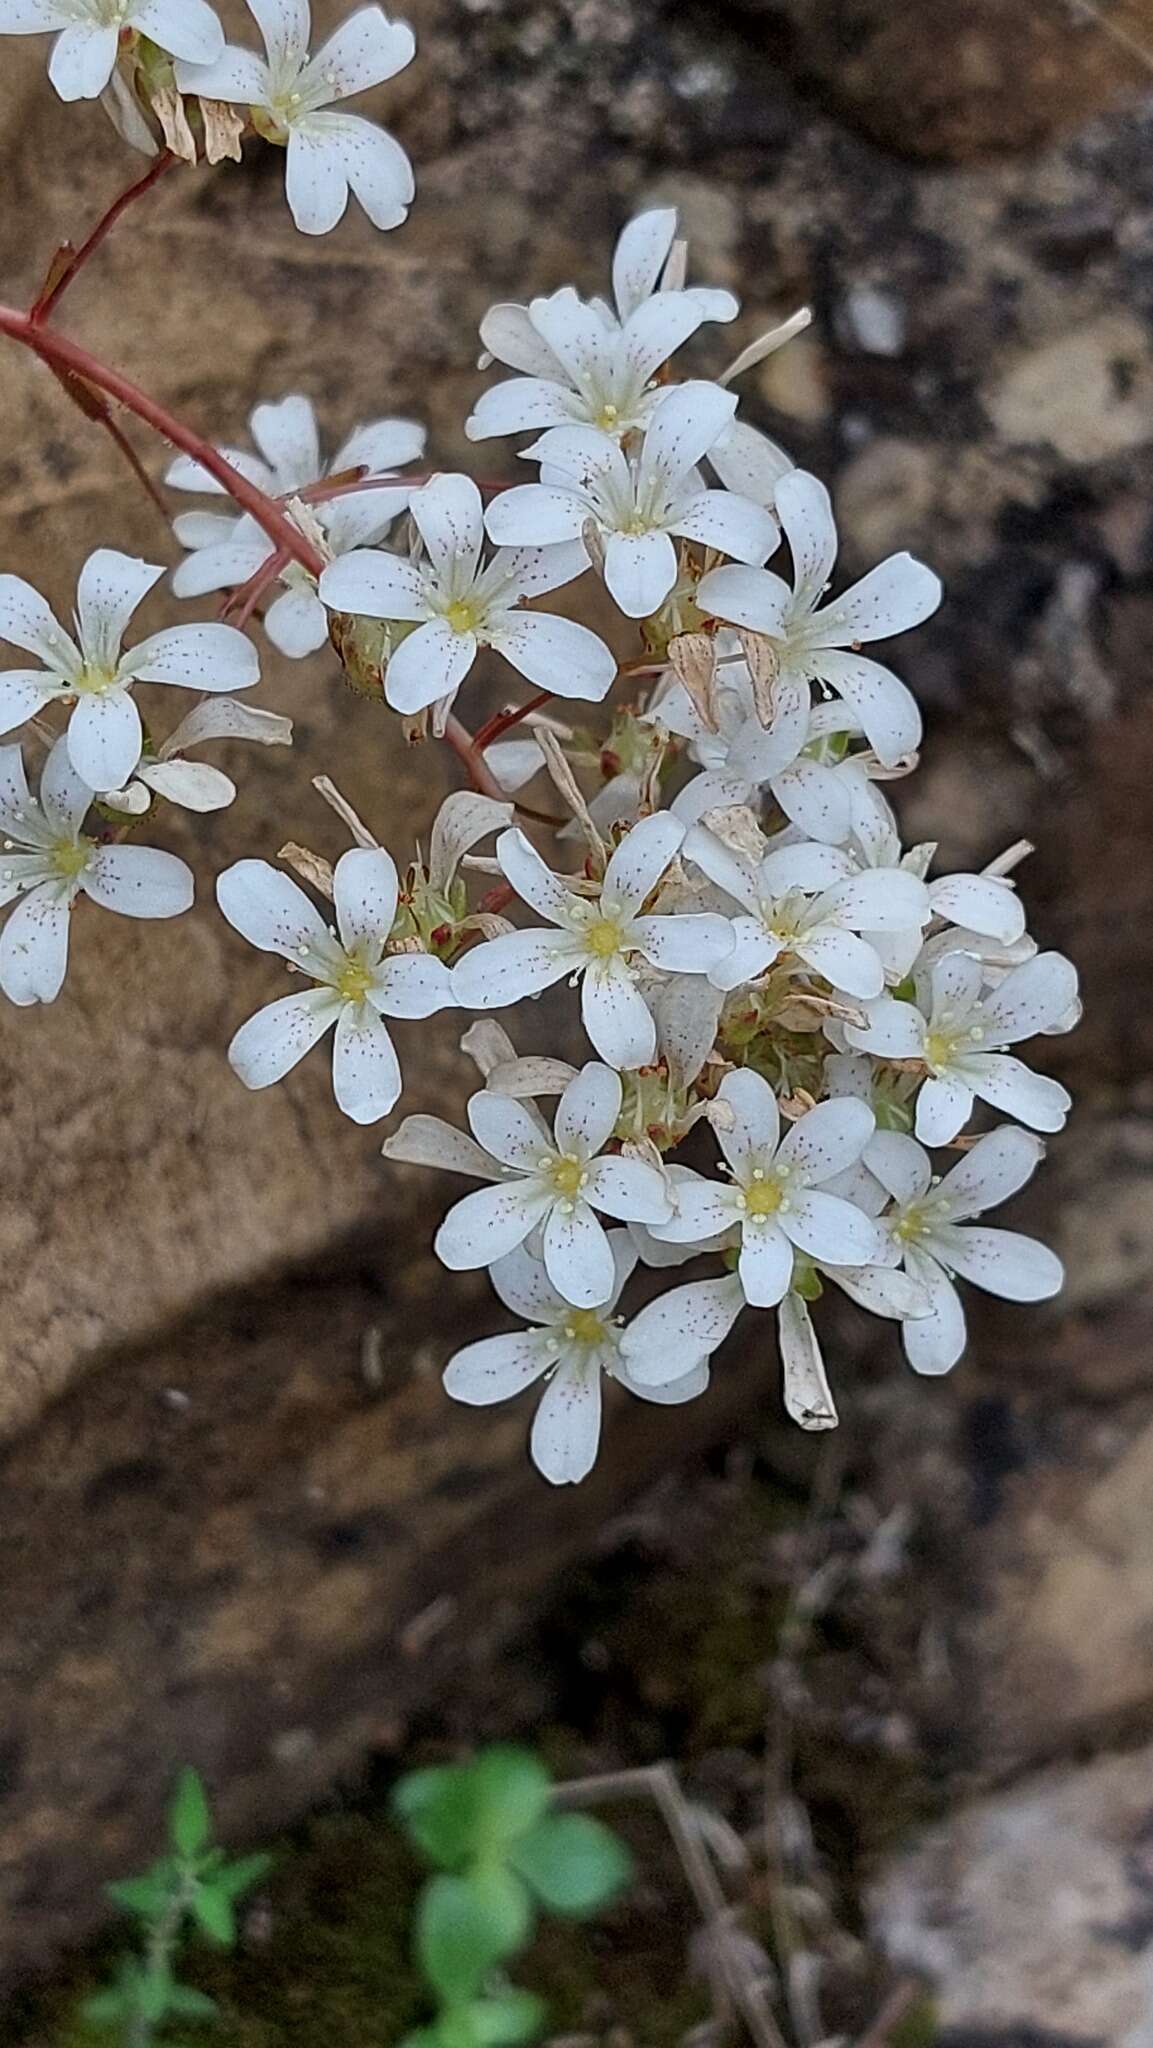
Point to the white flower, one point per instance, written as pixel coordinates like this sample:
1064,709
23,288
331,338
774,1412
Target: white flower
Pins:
987,905
586,364
823,645
226,552
572,1349
551,1183
460,607
775,1199
290,93
194,785
960,1041
807,901
597,938
637,503
740,756
931,1228
357,984
105,734
46,859
88,35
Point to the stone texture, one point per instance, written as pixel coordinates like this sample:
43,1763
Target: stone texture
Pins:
1030,1912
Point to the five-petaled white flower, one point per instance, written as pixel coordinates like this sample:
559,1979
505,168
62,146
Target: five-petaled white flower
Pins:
931,1228
226,551
292,95
547,1181
637,503
823,645
598,938
740,756
806,900
105,734
589,364
459,607
88,34
46,858
960,1041
573,1349
357,983
776,1198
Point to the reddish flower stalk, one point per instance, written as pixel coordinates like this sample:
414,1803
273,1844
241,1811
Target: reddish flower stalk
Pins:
75,259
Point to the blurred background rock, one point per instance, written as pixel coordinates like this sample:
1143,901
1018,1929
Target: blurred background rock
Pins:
217,1528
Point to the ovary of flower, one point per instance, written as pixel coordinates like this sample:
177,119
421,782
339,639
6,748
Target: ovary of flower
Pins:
88,34
586,364
46,859
356,982
225,551
925,1226
290,95
572,1350
458,606
740,756
960,1041
823,645
92,674
551,1182
598,939
775,1198
637,504
806,901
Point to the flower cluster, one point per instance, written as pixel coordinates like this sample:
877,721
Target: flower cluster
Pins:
764,974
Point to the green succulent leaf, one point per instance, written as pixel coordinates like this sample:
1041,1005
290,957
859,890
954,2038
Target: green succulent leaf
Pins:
513,1790
573,1863
437,1810
459,1938
460,1812
233,1879
212,1911
508,2020
148,1895
189,1820
187,2004
505,1900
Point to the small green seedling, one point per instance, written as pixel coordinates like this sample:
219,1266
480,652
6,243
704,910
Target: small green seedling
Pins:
500,1853
191,1890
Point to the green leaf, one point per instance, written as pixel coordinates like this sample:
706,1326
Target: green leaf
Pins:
508,2020
458,1938
189,1821
573,1863
212,1911
106,2008
188,2004
460,1811
238,1877
506,1902
437,1808
513,1790
147,1896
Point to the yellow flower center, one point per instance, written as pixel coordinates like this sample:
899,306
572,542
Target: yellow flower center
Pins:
461,616
912,1225
608,417
584,1326
603,937
568,1174
93,681
763,1194
354,981
70,860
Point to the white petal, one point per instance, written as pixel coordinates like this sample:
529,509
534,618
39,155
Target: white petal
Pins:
17,807
753,949
138,881
186,474
223,567
29,622
882,1290
429,1141
523,1285
577,1255
430,664
24,692
686,1323
380,447
191,784
201,657
640,860
364,888
366,1076
110,588
895,1030
412,985
754,598
502,971
34,949
639,256
366,50
236,76
844,959
765,1264
997,1166
885,708
640,571
508,334
988,904
807,1395
671,1393
518,405
81,65
486,1225
567,1426
814,798
807,517
899,594
944,1107
533,881
748,462
374,585
900,1164
530,572
495,1368
64,795
588,1110
514,763
270,911
286,26
684,425
956,980
703,1209
1005,1263
577,336
104,739
1008,1084
277,1037
734,526
509,1130
464,818
32,17
450,516
653,332
691,943
830,1138
223,718
831,1229
296,623
315,184
616,1017
534,515
735,875
881,900
630,1189
754,1136
933,1343
556,654
185,28
1032,998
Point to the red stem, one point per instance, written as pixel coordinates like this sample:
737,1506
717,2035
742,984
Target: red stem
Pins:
57,350
465,748
503,721
54,292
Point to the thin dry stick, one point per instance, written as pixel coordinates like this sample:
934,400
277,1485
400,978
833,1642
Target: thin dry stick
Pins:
1122,36
659,1783
898,2003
